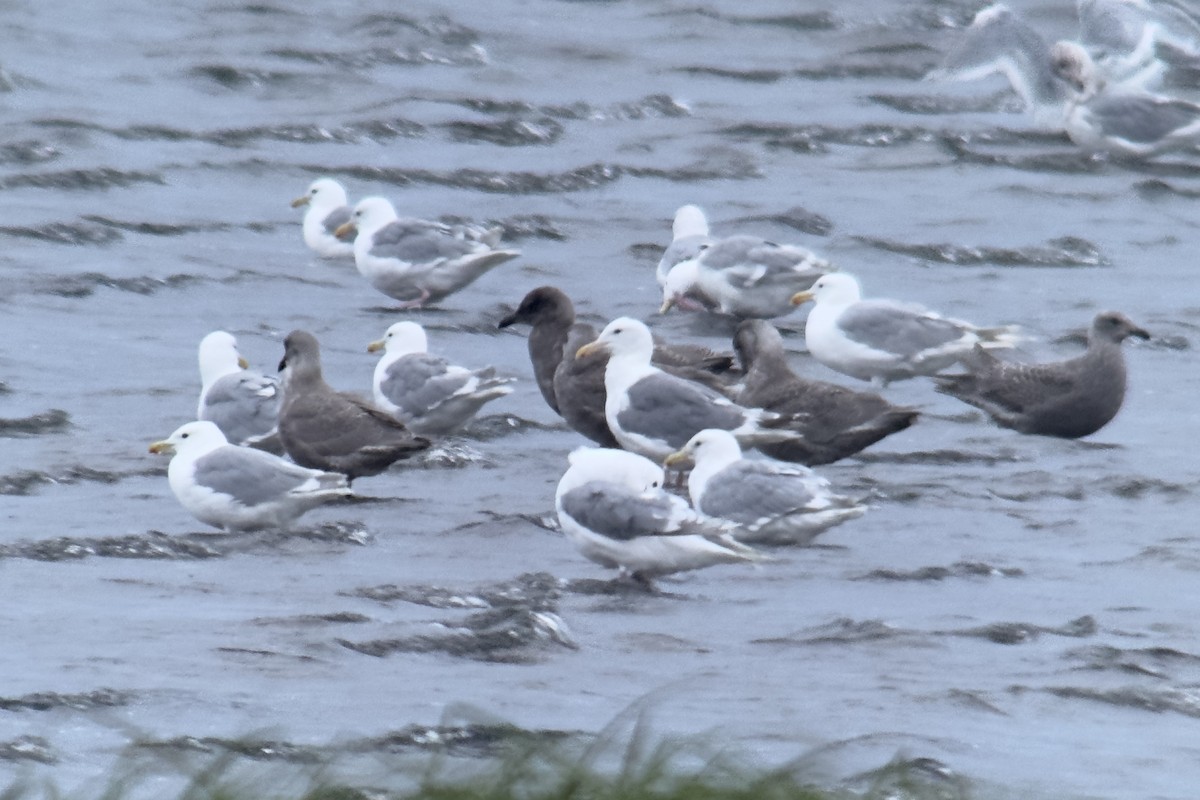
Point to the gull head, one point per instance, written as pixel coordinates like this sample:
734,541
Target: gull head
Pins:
369,215
836,288
710,444
322,193
402,338
219,356
200,436
624,336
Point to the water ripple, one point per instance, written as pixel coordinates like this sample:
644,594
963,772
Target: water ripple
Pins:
1066,251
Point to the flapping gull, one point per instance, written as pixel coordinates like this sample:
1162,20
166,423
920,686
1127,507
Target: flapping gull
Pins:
772,503
243,404
1122,122
883,340
1069,399
239,488
1000,41
744,276
426,392
836,421
612,507
417,261
654,413
329,430
689,235
574,386
328,209
1122,35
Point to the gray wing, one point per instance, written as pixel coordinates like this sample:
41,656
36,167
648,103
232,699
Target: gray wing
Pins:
419,382
618,512
673,410
749,491
746,261
336,218
244,405
894,328
1144,119
419,242
249,476
1018,388
1108,27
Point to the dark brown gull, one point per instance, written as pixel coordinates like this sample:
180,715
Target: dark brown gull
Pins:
325,429
836,421
1068,399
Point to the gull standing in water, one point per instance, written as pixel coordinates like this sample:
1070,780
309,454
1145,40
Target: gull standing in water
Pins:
417,261
883,340
244,404
1122,122
328,209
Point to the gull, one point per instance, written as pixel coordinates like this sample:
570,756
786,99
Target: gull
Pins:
744,276
574,387
1067,399
612,507
836,421
244,404
328,209
329,430
417,261
883,340
426,392
689,235
771,503
239,488
1122,122
654,413
1123,35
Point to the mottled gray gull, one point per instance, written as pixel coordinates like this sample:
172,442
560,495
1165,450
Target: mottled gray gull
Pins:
328,210
244,404
239,488
417,261
1069,399
836,421
689,235
883,340
743,276
1122,122
426,392
574,386
325,429
654,413
612,507
771,503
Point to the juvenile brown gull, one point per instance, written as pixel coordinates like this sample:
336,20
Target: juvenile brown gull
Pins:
836,421
883,340
417,261
426,392
239,488
325,429
612,507
771,503
1069,398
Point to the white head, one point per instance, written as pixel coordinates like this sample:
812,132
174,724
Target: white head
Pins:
636,472
680,281
624,336
193,438
219,357
689,221
322,194
836,288
1070,62
372,213
712,444
401,339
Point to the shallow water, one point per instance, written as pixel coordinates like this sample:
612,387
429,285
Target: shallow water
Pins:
1018,609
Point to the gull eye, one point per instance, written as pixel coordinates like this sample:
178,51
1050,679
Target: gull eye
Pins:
184,435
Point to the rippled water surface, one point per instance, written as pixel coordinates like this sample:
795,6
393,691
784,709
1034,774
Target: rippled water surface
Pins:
1020,609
